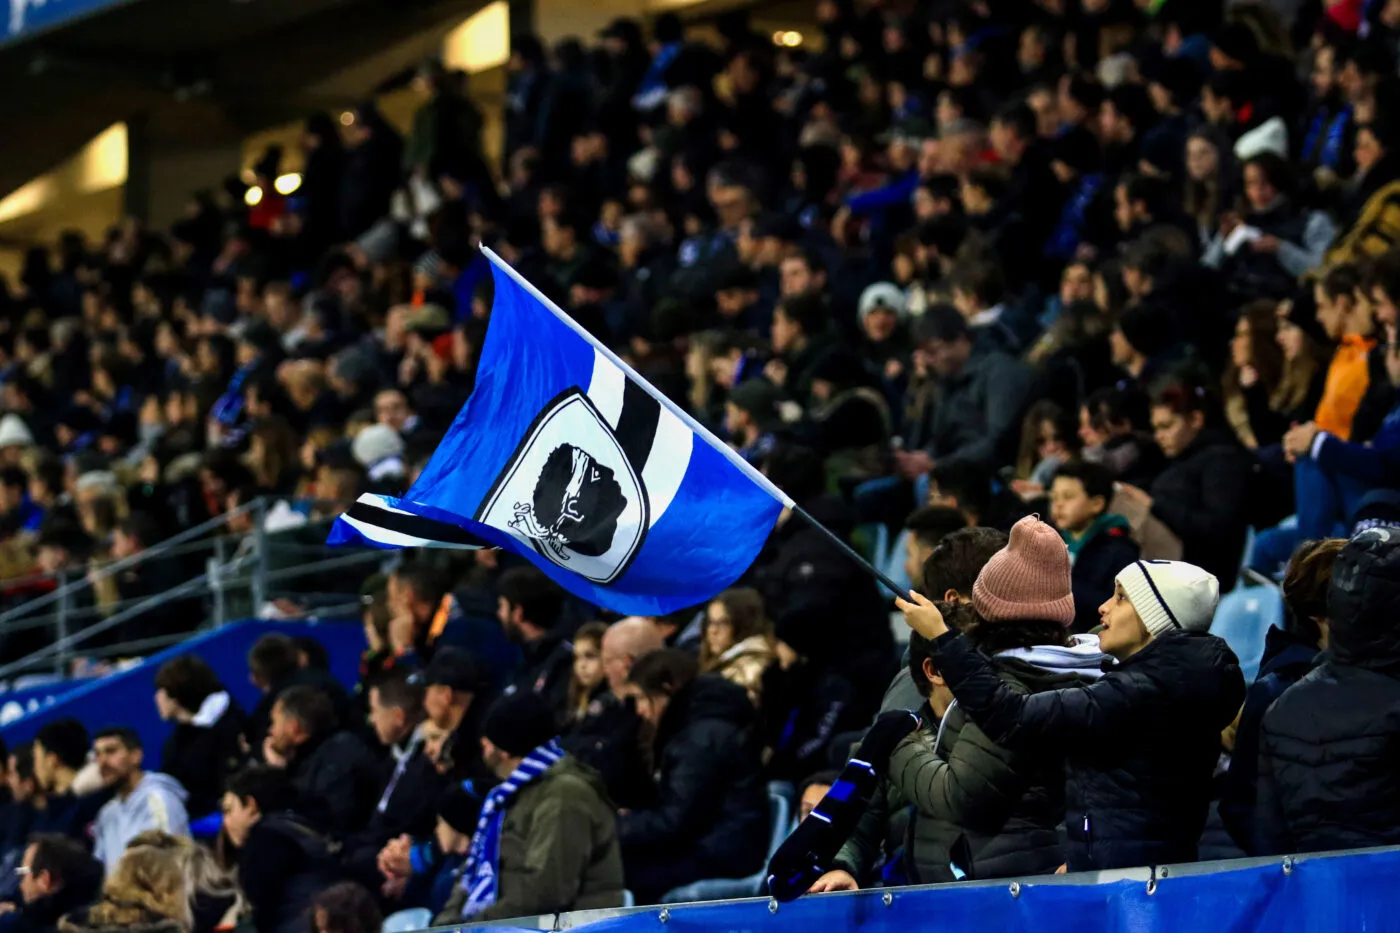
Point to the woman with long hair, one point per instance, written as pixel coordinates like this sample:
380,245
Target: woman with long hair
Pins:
273,455
145,893
215,901
1049,439
712,819
1254,372
1209,179
738,643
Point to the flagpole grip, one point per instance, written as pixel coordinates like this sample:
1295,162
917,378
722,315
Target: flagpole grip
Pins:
894,588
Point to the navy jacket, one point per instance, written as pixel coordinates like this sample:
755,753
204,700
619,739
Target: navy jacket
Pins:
1286,660
1376,463
1140,744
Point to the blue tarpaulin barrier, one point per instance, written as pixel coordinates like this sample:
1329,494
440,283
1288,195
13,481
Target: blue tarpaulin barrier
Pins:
1323,893
128,697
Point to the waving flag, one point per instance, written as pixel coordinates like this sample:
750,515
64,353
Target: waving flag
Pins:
564,455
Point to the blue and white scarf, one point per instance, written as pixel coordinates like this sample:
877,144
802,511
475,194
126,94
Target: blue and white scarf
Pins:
482,867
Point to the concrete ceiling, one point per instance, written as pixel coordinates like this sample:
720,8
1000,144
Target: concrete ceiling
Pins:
196,73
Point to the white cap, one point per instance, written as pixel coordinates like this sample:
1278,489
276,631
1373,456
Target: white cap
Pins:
882,294
14,432
376,443
1170,595
1269,136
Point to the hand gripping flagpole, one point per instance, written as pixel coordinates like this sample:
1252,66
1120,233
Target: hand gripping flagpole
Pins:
700,430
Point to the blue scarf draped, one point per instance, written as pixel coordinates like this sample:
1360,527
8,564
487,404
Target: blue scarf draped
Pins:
481,871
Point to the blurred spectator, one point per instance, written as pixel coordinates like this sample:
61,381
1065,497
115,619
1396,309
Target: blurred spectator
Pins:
57,876
345,908
1301,776
333,773
203,749
710,817
1098,540
547,839
738,641
144,892
282,861
143,800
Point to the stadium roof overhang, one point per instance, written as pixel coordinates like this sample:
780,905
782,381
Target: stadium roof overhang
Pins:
195,73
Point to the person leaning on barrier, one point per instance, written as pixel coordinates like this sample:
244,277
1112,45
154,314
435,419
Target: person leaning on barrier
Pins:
1142,742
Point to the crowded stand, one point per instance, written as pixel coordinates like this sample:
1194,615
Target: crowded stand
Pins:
1070,317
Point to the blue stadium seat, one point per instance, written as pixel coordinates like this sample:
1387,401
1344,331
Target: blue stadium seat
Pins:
714,889
1243,618
406,921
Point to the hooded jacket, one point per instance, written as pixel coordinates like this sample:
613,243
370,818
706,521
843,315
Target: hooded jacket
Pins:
283,865
202,753
158,802
979,810
1203,498
1326,747
712,807
1286,660
1140,744
82,921
559,849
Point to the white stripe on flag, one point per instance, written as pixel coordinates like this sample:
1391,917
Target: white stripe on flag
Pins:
665,468
398,539
606,387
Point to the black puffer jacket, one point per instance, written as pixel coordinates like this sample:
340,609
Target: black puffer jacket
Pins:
1327,747
336,781
283,865
712,801
1140,744
1203,497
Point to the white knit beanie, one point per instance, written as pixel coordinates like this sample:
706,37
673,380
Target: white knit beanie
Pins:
1170,595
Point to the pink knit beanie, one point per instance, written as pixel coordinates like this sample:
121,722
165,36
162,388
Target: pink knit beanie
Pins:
1028,579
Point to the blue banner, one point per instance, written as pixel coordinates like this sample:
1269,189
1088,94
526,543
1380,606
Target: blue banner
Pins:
128,697
26,17
1317,893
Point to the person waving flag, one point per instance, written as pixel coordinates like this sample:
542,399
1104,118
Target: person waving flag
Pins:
564,455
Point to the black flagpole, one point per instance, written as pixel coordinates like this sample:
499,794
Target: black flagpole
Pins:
850,552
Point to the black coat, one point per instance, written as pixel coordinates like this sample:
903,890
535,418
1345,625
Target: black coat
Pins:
1286,661
407,804
608,739
1203,498
1095,567
1327,746
823,604
337,782
712,807
42,915
547,672
260,719
1140,744
281,868
201,758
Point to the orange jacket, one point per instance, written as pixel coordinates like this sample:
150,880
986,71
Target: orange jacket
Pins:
1347,380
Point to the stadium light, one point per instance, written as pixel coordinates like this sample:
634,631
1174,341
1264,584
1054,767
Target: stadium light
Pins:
788,38
253,196
286,184
347,118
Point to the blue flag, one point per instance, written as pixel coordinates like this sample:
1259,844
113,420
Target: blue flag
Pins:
564,455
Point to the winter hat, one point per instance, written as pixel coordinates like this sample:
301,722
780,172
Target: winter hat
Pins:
14,432
1027,579
1170,594
1379,508
376,443
885,295
518,723
1269,136
460,806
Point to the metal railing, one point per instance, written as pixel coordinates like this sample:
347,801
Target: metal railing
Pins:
218,578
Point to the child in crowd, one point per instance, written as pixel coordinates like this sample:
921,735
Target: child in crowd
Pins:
1100,542
588,679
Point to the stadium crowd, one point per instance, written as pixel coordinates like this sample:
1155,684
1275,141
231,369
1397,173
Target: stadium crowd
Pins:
965,265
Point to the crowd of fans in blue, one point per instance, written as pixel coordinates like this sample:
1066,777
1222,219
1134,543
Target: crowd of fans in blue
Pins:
1113,278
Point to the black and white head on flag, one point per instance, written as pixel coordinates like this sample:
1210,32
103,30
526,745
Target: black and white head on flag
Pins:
592,475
